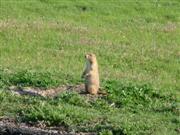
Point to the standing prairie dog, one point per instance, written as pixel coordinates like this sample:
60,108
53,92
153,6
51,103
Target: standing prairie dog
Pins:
91,74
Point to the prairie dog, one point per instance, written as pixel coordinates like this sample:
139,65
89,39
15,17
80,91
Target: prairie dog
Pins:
91,74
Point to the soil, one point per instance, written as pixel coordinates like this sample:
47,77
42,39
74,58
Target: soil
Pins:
12,127
54,92
46,92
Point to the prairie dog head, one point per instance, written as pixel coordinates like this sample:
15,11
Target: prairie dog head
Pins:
91,58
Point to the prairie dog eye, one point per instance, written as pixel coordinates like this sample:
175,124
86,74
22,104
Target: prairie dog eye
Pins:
92,55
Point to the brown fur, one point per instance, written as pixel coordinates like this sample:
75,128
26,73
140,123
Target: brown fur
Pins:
91,74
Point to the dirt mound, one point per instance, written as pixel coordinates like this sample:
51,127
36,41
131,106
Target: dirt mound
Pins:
47,92
53,92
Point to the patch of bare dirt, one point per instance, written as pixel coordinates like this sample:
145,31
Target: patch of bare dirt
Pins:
47,92
12,127
54,92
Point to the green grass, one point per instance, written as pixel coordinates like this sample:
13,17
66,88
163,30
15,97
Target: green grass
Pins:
43,43
137,109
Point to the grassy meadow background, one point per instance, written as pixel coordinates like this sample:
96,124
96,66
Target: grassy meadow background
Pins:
43,43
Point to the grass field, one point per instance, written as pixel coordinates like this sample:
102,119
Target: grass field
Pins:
43,43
